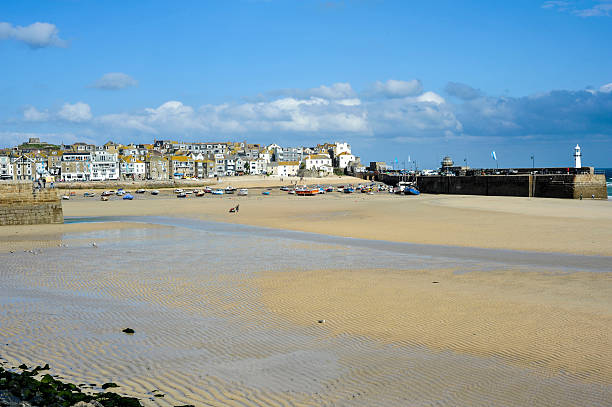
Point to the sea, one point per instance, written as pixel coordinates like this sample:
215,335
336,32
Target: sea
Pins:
608,172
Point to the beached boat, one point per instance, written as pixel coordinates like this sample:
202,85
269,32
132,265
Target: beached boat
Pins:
243,192
284,188
155,192
292,191
207,190
230,190
120,192
181,195
265,193
140,191
200,193
65,197
107,193
128,197
218,192
104,198
348,190
329,189
305,191
89,194
178,191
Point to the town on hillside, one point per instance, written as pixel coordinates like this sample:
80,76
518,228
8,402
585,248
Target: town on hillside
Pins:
165,160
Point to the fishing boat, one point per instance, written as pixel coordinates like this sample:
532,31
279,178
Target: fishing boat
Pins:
128,197
243,192
305,191
155,192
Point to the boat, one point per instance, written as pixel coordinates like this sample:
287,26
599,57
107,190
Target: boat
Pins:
181,195
265,193
243,192
88,194
292,191
65,197
407,188
140,191
188,192
178,191
107,193
284,188
120,192
411,190
329,189
218,192
207,190
348,190
305,191
128,197
230,190
104,198
200,193
155,192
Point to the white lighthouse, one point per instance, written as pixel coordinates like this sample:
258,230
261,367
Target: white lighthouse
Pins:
577,156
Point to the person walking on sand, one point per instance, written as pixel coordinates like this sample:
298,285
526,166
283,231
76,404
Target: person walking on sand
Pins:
237,207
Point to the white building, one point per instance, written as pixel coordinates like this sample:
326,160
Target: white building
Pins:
76,166
284,168
6,168
104,166
318,162
132,168
340,148
258,166
344,159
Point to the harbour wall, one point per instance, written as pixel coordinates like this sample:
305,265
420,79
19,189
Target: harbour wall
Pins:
20,204
570,186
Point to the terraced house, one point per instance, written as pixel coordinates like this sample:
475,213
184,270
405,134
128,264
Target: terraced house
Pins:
76,166
131,168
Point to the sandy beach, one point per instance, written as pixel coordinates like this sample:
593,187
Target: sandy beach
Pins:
227,314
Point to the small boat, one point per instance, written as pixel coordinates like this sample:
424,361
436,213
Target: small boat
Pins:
120,192
207,190
411,190
188,192
243,192
292,191
140,191
72,193
200,193
284,188
230,190
104,198
107,193
305,191
265,193
181,195
178,191
348,190
88,194
128,197
65,197
155,192
329,189
218,192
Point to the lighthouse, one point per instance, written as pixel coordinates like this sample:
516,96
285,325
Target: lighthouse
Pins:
577,156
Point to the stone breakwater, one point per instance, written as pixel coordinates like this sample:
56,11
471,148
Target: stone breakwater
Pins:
20,204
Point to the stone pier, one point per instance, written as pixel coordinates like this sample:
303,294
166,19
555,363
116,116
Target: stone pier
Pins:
20,204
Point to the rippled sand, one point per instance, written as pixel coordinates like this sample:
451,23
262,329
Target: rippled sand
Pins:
227,315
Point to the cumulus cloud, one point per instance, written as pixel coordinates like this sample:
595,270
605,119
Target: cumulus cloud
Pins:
592,8
606,88
334,91
31,114
396,88
462,91
114,81
36,35
77,113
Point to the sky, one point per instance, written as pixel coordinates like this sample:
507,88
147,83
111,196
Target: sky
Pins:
398,80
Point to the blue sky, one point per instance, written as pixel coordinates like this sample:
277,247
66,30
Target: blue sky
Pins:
393,78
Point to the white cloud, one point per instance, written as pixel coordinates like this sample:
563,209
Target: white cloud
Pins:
31,114
78,112
606,88
395,88
596,8
36,35
114,81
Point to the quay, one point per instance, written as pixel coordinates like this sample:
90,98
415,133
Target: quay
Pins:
569,183
23,204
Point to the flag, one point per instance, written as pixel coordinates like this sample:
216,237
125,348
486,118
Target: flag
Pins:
494,155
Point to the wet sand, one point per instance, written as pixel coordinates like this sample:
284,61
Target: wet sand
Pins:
228,314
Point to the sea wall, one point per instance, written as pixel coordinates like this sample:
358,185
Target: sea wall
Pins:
543,186
21,205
